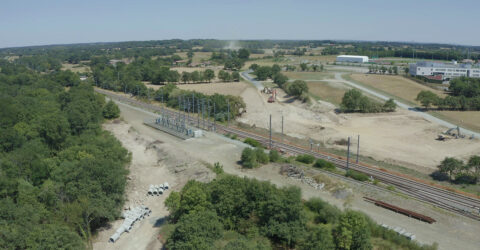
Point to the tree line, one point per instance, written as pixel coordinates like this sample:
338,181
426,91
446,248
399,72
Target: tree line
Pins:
240,213
382,69
354,101
458,171
464,95
61,175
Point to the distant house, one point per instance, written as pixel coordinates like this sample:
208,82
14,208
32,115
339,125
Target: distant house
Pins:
180,62
83,78
124,60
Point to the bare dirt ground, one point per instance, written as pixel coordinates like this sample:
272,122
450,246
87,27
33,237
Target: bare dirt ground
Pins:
402,137
225,88
160,157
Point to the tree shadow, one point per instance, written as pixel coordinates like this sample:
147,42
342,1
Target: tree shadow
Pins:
160,222
438,176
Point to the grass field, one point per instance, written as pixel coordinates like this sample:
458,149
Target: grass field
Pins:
326,91
197,56
467,119
308,75
395,86
77,68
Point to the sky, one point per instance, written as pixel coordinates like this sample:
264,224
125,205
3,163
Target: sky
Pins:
41,22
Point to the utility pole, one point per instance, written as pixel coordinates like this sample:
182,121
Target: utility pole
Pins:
270,131
348,152
214,118
282,127
228,112
358,147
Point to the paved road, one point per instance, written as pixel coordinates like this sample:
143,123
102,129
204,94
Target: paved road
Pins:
338,77
245,75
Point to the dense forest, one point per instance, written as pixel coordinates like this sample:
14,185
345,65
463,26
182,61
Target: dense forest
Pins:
61,175
239,213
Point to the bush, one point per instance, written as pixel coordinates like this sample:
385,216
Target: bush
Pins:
252,142
274,156
249,158
111,110
307,159
262,157
356,175
464,178
218,168
321,163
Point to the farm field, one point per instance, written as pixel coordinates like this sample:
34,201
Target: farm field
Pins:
395,86
197,56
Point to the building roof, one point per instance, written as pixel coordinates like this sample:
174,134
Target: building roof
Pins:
349,56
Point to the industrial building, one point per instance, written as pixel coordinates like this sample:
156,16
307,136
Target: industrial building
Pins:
446,70
352,59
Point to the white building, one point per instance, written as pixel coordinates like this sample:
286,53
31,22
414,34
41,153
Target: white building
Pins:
446,70
353,59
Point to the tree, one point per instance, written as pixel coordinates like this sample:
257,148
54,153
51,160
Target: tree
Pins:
449,166
315,67
190,54
280,79
273,155
351,100
303,66
111,110
249,158
235,76
297,88
209,74
224,76
474,163
318,237
390,105
263,72
243,54
427,98
352,232
395,70
254,66
406,70
261,156
275,69
185,77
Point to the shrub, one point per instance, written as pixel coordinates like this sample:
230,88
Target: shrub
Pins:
111,110
218,168
274,155
307,159
249,158
321,163
356,175
252,142
262,157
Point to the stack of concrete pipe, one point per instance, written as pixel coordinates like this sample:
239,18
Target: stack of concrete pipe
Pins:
157,189
131,216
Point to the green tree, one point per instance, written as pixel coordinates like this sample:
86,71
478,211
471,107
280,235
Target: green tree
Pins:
406,70
209,75
243,54
249,158
185,77
351,100
262,157
427,98
297,87
235,76
352,232
449,166
190,54
303,66
390,105
263,72
280,79
224,76
474,163
274,156
318,237
254,66
111,110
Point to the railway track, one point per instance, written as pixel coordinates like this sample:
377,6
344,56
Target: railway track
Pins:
439,197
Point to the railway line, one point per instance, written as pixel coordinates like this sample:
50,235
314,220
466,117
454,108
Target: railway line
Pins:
437,196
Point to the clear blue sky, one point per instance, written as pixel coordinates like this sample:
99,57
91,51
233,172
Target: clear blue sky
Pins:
38,22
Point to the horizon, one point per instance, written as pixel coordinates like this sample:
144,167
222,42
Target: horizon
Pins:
34,23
